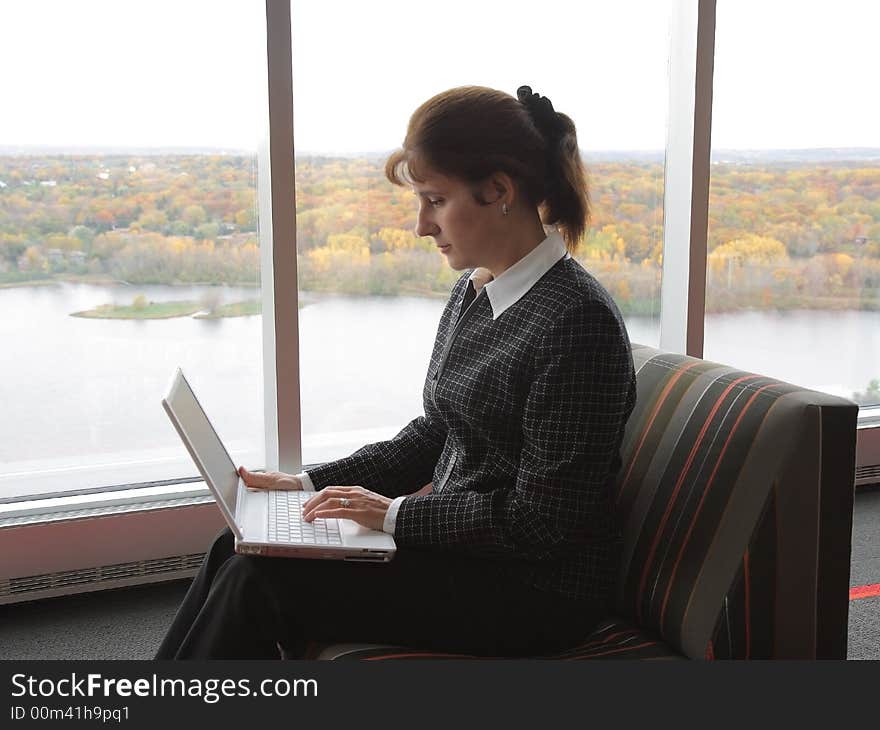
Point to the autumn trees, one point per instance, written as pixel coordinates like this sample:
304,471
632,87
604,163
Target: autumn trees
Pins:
149,219
779,235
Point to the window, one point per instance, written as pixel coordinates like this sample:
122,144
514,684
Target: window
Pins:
128,237
364,277
793,275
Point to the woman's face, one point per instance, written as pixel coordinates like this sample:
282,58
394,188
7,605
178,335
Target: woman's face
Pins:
464,231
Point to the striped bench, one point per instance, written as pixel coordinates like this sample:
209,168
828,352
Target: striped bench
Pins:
736,500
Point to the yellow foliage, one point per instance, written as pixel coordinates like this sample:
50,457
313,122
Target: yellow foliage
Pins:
35,259
326,258
396,239
348,243
321,259
750,249
842,264
246,217
65,243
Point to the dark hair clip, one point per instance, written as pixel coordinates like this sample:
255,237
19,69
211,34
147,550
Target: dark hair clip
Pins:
542,112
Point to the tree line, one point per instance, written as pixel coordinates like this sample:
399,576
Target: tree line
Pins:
785,235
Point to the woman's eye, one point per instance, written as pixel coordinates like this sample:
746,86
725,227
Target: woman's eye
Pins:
435,203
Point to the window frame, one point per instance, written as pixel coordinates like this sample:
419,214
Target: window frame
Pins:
687,169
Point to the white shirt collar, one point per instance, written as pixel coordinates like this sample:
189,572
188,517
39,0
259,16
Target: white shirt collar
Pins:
512,284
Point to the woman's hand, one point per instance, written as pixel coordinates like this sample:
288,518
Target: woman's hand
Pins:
364,507
269,480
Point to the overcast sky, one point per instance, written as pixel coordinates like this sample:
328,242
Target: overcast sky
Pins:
789,73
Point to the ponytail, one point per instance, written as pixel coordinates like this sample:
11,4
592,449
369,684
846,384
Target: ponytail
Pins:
567,198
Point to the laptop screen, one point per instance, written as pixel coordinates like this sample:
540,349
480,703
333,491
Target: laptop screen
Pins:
204,445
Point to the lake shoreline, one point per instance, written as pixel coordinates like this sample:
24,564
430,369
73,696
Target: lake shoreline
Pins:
634,308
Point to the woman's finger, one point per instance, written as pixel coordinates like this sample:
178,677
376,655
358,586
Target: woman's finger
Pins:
330,512
368,516
248,477
329,493
314,501
328,503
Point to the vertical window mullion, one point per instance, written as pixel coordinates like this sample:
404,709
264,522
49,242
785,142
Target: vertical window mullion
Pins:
686,197
278,252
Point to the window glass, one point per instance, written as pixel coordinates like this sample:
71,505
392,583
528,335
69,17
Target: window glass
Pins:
128,236
793,278
371,293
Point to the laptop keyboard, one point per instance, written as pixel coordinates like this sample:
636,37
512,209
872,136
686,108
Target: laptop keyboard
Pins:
287,525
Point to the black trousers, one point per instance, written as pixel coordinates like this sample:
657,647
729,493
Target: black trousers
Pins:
242,606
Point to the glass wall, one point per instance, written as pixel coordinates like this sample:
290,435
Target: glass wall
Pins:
128,236
371,293
793,279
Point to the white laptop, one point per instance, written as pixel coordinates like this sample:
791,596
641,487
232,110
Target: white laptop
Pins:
265,522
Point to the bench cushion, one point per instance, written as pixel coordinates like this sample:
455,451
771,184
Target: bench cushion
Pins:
612,639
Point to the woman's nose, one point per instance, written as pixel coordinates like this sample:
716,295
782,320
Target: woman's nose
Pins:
424,226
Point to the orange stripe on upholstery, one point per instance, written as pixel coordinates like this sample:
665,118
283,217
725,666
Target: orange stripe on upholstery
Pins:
681,477
657,406
709,482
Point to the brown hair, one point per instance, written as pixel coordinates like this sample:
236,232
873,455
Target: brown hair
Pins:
471,132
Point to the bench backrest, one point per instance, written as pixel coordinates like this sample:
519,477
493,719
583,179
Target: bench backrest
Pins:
719,463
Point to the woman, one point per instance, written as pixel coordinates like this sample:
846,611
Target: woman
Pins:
515,550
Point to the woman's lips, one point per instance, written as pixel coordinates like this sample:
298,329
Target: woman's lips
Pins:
444,247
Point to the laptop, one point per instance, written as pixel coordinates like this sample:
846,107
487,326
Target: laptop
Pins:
265,522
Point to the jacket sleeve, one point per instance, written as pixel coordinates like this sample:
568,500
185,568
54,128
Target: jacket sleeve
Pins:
580,396
398,466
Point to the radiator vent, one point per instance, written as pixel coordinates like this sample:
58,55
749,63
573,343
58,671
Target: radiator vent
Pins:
91,578
868,474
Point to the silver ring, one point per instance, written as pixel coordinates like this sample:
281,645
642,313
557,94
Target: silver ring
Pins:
345,501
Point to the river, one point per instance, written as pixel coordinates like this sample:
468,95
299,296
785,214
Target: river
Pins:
81,397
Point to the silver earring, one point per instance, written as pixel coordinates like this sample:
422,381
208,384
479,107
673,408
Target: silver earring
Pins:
504,209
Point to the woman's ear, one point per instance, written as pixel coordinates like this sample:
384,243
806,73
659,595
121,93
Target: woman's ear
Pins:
499,188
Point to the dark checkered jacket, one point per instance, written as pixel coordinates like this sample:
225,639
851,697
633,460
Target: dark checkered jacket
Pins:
524,418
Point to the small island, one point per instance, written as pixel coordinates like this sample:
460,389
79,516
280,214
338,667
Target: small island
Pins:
140,308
